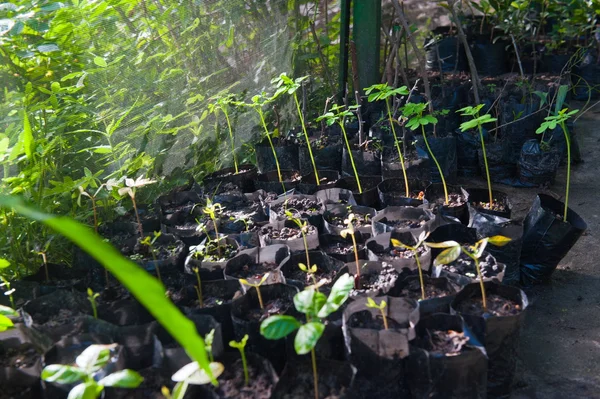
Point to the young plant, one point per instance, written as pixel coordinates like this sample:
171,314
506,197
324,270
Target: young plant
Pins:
5,322
316,306
310,271
285,84
6,283
241,346
149,242
414,113
257,286
257,104
198,286
550,123
303,226
214,211
478,121
383,92
208,340
130,188
415,249
88,363
92,298
338,114
349,221
372,304
222,103
192,374
452,251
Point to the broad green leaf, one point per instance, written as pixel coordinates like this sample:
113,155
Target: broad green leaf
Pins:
309,301
4,263
5,323
398,244
100,62
145,288
279,326
7,311
307,337
122,379
27,137
447,256
62,374
443,244
87,390
193,374
94,357
499,241
339,293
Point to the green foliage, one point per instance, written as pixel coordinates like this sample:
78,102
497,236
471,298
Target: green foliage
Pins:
241,346
415,249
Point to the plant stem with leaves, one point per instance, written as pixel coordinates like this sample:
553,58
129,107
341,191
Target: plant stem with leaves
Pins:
241,346
415,249
257,286
381,307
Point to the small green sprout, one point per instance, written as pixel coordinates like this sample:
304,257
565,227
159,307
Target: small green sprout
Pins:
130,188
92,298
213,211
6,283
478,121
560,119
344,233
192,374
317,307
88,363
415,248
310,271
303,226
257,286
453,250
372,304
5,322
208,340
241,346
198,286
149,242
338,114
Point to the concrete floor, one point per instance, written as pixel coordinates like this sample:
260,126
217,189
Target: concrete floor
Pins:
560,344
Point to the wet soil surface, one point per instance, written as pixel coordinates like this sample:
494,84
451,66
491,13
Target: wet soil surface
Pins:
340,248
231,382
496,306
466,267
413,290
255,270
370,282
272,307
285,233
400,253
404,224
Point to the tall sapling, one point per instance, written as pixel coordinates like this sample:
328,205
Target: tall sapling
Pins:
222,103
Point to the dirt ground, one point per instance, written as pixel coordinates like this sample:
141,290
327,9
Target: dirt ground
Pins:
560,343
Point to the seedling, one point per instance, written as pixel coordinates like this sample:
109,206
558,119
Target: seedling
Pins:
560,119
130,188
310,271
88,363
303,226
5,322
149,242
380,92
193,374
285,84
316,306
241,346
414,113
208,340
372,304
344,233
213,211
338,114
452,251
6,283
257,286
478,121
422,237
223,103
198,286
92,298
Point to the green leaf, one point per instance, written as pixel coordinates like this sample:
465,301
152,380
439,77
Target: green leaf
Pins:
144,287
443,244
100,62
122,379
191,373
7,311
4,263
398,244
279,326
339,293
62,374
94,357
307,337
87,390
309,301
5,323
499,241
447,256
27,137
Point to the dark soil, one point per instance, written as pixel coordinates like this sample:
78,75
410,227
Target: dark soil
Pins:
404,224
413,290
447,343
454,200
302,385
255,270
496,306
340,248
466,266
23,357
400,253
360,220
365,319
272,307
217,253
304,206
219,188
376,281
306,278
231,383
497,206
227,174
285,233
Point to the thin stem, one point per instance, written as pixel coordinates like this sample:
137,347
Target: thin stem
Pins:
94,310
262,120
45,260
483,298
420,274
305,248
387,104
260,300
199,288
137,215
232,141
312,158
155,263
514,42
12,301
245,365
357,283
95,214
315,374
487,170
214,220
436,164
568,141
351,157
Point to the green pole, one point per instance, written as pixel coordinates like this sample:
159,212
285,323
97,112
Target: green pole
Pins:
366,31
344,41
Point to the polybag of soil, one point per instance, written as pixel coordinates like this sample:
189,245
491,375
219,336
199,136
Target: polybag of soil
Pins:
537,167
